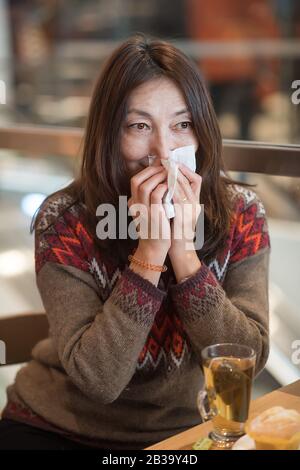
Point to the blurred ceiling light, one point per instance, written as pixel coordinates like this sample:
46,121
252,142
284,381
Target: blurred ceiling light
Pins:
31,202
14,263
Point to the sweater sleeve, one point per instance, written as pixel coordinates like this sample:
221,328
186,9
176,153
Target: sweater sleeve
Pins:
98,341
237,311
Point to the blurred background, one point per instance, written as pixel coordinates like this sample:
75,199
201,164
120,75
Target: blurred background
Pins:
51,52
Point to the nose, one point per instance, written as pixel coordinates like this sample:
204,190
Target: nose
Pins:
160,148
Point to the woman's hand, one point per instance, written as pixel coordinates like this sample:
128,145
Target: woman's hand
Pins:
147,190
187,209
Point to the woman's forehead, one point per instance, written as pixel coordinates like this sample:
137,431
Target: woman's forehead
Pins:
160,91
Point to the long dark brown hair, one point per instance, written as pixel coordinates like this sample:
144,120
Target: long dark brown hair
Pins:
101,179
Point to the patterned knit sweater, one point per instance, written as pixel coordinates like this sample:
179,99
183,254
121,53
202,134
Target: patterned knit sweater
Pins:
121,367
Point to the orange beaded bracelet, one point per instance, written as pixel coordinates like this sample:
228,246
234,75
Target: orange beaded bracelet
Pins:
152,267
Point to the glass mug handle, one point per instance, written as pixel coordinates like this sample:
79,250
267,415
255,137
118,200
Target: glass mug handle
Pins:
205,409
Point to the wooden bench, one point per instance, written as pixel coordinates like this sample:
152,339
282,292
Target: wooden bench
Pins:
20,333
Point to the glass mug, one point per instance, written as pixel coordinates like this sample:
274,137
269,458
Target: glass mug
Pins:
228,372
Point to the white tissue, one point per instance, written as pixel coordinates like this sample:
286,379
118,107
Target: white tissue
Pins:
184,155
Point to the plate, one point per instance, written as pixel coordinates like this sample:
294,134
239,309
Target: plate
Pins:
244,443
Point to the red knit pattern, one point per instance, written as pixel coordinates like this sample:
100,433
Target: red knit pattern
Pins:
166,336
249,235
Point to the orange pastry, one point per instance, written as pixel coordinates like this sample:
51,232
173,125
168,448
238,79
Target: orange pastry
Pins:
277,428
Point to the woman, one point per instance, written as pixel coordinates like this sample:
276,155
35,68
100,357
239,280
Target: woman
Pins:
121,367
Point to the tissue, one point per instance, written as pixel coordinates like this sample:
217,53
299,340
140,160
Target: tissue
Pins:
184,155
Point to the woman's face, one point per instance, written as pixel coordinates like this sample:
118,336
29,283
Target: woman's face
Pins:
157,121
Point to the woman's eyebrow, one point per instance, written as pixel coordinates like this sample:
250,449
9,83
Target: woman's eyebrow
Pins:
144,113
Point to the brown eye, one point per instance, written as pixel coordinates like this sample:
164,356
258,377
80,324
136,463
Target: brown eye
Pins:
139,125
185,124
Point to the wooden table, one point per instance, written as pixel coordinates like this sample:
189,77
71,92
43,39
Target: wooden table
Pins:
288,396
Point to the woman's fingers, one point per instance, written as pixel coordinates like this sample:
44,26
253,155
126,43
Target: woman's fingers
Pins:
145,190
188,184
184,187
139,178
158,216
191,175
158,193
194,179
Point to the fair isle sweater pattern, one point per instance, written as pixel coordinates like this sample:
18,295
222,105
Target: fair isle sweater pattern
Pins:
62,238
